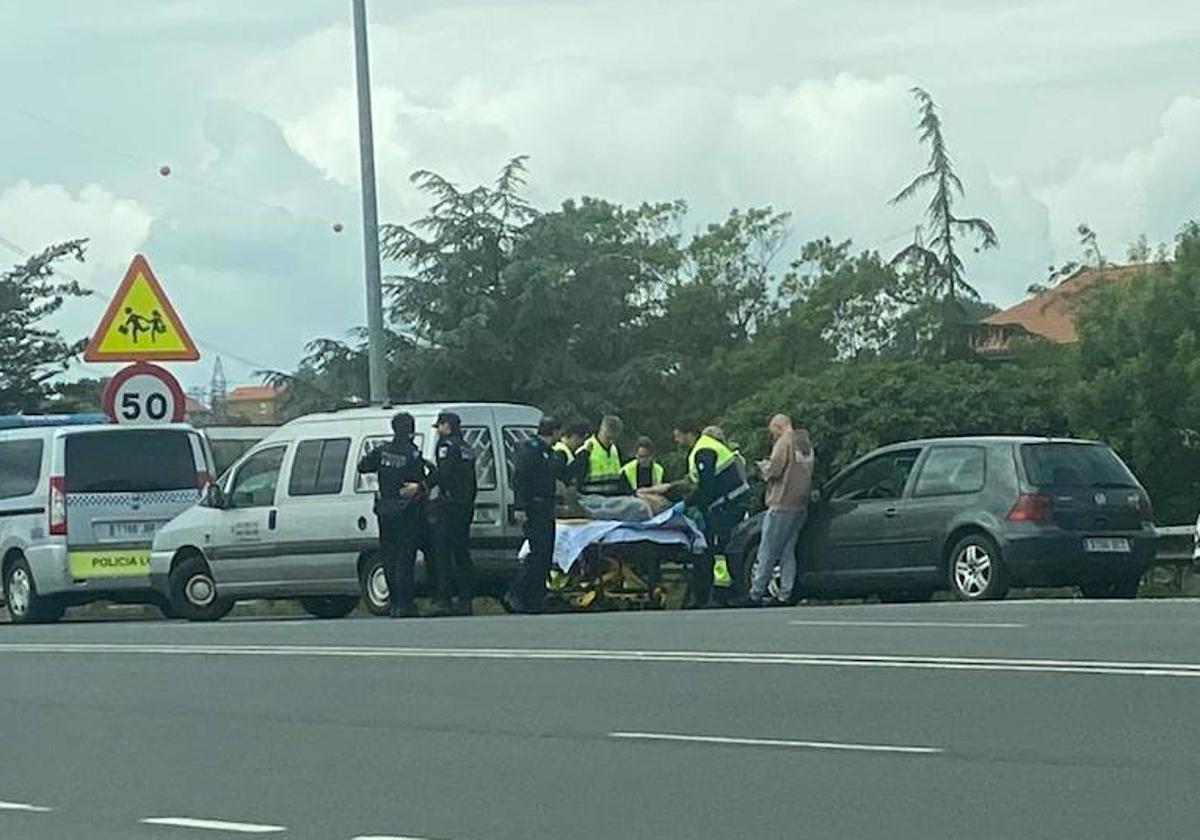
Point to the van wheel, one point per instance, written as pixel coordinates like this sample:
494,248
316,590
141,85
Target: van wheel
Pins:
194,592
976,569
333,606
25,605
375,587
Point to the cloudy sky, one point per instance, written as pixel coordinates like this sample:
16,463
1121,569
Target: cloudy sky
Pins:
1057,111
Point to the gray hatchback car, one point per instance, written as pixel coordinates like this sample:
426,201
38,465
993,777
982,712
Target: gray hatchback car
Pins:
975,516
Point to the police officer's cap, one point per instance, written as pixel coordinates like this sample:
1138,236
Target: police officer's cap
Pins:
448,417
403,424
549,426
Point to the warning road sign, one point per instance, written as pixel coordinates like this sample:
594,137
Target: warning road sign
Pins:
140,324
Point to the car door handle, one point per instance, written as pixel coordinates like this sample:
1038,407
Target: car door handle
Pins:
890,512
272,517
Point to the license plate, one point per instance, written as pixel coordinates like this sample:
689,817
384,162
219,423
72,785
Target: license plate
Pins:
1106,545
126,530
109,563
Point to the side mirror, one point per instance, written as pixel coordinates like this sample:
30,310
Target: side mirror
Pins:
214,497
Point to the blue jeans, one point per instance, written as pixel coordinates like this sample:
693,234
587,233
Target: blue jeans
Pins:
777,547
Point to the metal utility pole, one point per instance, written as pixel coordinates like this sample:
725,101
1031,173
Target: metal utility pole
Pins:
366,151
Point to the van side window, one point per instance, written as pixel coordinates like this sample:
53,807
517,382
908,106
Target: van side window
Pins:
319,467
514,436
255,481
479,438
370,483
951,470
20,467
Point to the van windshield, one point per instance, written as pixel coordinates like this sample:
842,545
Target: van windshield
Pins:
1075,465
134,461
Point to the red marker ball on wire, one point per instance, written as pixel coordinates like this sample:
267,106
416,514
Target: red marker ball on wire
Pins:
164,170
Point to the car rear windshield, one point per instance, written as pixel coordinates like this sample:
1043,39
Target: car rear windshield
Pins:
134,461
1074,465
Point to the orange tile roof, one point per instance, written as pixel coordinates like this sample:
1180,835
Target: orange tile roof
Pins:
252,392
1051,314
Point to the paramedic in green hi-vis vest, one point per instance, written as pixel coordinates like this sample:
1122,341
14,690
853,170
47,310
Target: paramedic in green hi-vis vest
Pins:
570,441
716,487
597,464
643,471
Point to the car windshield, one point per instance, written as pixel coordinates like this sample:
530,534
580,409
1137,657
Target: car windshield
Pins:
1074,465
140,461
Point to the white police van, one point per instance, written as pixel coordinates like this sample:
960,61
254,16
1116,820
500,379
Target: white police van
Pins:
294,519
80,502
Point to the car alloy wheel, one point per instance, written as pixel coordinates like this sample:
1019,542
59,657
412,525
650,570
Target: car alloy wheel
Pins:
973,570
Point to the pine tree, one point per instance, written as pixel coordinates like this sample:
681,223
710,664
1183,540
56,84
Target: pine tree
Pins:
30,353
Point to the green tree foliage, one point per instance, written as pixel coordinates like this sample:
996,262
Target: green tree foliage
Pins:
334,374
856,301
854,407
938,262
595,307
1139,376
32,354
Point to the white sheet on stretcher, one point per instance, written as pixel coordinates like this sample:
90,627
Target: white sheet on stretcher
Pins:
670,527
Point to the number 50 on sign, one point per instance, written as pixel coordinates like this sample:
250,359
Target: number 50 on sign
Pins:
144,394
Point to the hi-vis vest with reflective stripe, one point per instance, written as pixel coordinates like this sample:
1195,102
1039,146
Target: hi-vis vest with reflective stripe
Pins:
631,470
561,446
603,469
730,482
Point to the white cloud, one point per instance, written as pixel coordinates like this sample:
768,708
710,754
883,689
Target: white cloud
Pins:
37,215
1143,190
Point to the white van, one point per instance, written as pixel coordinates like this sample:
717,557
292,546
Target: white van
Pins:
294,519
80,501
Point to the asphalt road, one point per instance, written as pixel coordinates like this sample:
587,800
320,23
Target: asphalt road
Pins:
1014,720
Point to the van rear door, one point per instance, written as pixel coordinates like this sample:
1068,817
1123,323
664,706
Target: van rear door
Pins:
479,432
121,486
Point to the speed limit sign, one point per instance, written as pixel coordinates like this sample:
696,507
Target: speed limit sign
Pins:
144,394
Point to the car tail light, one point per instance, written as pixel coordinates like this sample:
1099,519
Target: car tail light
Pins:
1031,507
58,506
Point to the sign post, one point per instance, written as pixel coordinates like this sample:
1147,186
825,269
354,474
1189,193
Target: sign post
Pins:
141,326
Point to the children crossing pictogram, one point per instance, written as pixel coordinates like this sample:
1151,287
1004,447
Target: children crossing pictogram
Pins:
140,324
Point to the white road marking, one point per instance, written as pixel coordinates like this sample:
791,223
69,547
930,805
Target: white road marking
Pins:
772,742
388,837
850,660
22,806
990,625
214,825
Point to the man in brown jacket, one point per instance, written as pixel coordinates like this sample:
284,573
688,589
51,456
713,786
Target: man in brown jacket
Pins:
788,473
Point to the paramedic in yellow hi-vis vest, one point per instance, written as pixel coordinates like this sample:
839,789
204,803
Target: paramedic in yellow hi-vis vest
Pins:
643,471
597,464
571,440
716,487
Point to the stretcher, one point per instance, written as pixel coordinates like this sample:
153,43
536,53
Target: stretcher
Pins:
611,564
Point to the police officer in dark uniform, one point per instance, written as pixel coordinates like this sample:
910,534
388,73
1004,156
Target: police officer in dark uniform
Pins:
400,508
537,471
451,509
